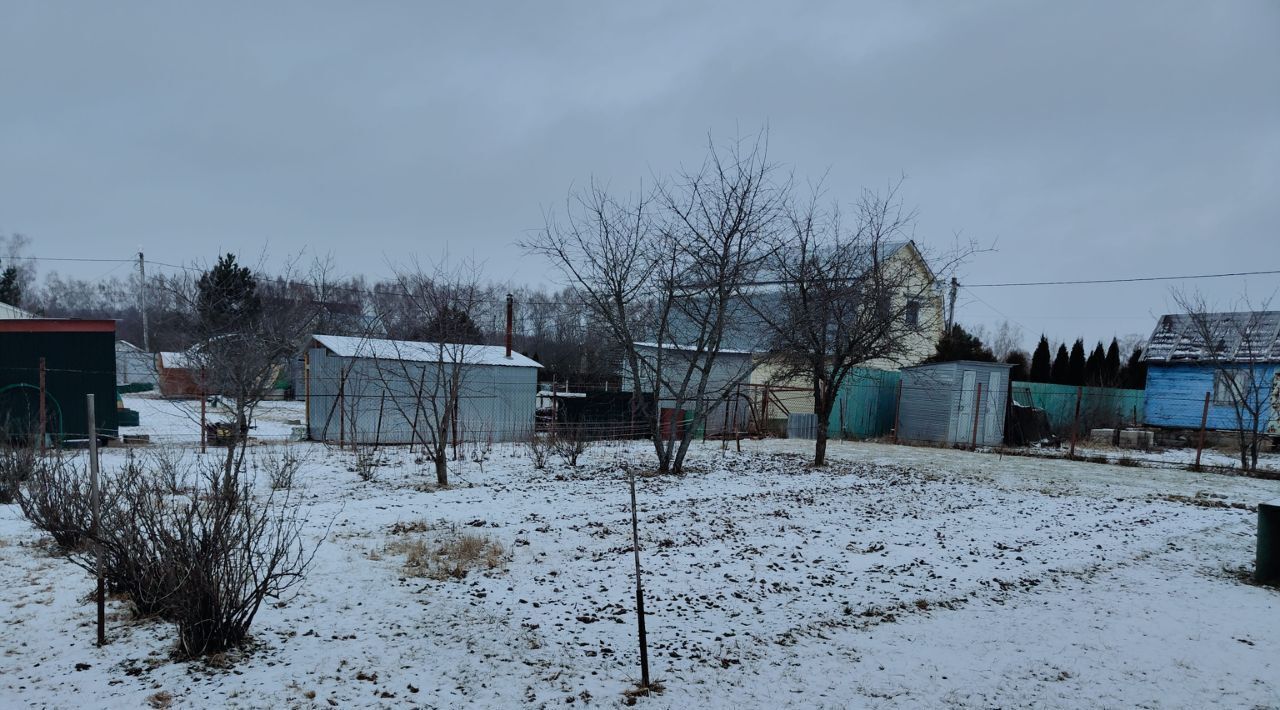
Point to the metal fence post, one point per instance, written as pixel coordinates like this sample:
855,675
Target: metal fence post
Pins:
96,497
1075,422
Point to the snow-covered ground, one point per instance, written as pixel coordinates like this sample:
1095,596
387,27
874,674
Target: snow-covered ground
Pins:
897,577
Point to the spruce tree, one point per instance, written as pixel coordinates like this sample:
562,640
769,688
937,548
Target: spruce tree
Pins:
10,288
227,298
1041,367
1076,368
1060,374
960,344
1111,372
1019,371
1135,373
1095,366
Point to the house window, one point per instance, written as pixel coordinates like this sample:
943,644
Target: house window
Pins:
913,313
1230,386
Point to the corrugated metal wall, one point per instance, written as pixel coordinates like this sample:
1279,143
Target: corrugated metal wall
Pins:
941,402
76,363
376,401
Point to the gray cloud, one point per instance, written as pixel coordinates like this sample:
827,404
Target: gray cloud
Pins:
1083,139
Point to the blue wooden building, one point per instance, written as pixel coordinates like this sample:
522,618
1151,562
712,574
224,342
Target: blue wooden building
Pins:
1232,357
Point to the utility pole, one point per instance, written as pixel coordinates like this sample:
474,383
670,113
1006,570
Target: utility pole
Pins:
142,301
951,313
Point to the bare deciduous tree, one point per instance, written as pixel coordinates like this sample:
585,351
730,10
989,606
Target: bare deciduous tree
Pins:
425,380
659,272
843,296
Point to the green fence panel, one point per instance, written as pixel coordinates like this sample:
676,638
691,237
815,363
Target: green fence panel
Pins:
1099,406
864,409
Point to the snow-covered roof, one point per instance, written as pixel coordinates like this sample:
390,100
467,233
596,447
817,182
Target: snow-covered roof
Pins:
416,351
8,312
177,361
1236,337
691,348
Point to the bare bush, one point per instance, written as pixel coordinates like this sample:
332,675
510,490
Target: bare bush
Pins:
366,462
569,441
539,451
480,451
205,556
56,500
17,463
281,464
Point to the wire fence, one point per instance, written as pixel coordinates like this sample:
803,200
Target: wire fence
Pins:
1105,424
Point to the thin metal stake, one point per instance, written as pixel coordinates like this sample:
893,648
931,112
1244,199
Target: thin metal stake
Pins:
635,547
97,517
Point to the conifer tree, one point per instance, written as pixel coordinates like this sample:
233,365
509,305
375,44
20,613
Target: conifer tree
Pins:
1095,366
228,297
1076,368
1111,372
1041,367
1060,374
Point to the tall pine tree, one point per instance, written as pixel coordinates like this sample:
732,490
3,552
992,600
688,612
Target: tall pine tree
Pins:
1061,372
1076,369
1135,373
1095,366
1111,372
1041,367
227,297
1019,372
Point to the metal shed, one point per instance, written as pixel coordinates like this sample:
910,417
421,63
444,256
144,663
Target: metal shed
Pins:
955,403
134,366
79,358
376,391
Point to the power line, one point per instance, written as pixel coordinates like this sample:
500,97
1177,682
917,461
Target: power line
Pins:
1125,280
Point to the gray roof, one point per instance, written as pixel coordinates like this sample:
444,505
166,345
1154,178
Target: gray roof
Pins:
1245,336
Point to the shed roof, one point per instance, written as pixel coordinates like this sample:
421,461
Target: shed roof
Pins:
416,351
1242,336
8,312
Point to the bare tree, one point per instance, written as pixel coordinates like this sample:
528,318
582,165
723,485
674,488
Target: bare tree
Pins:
843,296
425,380
1241,348
659,271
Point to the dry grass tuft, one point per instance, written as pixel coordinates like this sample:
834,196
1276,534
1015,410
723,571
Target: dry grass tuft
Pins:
444,552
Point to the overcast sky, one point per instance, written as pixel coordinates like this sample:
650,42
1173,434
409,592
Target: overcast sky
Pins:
1082,140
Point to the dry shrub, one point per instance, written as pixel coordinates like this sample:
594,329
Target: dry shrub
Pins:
445,552
539,451
56,499
17,464
280,463
569,441
204,557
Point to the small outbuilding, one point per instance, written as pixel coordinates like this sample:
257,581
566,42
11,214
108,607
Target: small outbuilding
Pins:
959,403
134,366
78,358
376,391
178,375
1239,372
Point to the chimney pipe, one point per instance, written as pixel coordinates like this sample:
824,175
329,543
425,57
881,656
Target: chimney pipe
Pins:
511,300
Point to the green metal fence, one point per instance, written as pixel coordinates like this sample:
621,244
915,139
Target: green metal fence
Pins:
866,405
1099,406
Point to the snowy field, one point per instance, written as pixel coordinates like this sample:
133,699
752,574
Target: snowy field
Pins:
897,577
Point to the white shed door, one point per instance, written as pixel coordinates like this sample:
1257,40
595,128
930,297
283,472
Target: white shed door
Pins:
964,416
993,400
